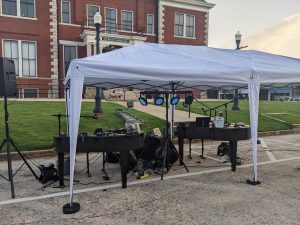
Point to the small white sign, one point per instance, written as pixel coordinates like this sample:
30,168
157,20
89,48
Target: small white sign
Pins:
219,122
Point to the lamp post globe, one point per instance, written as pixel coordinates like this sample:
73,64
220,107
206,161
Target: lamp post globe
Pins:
98,21
238,38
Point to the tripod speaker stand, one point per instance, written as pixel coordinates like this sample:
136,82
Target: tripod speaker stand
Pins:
168,144
8,142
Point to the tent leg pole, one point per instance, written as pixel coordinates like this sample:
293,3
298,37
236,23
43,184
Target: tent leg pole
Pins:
253,182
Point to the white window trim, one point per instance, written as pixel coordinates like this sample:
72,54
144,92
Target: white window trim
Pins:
184,26
61,12
117,30
152,24
20,56
87,14
19,11
23,92
132,13
76,46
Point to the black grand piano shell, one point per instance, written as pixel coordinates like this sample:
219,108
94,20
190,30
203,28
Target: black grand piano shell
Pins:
191,131
116,143
231,134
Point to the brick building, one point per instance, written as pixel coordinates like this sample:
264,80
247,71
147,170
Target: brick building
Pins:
42,37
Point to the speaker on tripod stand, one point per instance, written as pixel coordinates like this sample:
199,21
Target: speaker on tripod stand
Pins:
8,87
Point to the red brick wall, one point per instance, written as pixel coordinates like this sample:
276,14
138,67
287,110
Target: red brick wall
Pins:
27,83
31,30
170,23
39,31
139,7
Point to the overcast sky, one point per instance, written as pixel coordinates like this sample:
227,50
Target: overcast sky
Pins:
266,25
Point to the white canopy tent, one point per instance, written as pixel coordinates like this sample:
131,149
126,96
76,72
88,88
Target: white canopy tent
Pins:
155,66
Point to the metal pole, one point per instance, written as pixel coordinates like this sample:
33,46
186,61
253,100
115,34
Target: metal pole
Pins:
98,107
236,106
7,140
172,111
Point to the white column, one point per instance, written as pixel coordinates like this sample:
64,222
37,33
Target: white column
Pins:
88,49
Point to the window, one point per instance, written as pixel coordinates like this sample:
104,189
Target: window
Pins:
24,55
150,24
189,26
127,21
20,8
184,25
9,7
28,59
65,12
11,51
179,24
30,93
91,12
111,21
69,54
27,8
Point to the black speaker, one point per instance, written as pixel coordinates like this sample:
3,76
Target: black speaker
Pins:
130,104
8,86
202,121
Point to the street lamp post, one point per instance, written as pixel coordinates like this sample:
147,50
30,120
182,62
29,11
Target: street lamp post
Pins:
97,21
238,38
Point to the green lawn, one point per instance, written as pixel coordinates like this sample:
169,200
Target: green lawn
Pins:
265,124
32,125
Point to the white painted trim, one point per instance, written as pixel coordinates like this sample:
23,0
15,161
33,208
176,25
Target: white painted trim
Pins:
20,56
137,182
132,19
19,11
207,28
184,37
153,32
160,28
116,18
70,24
18,17
61,11
71,43
87,13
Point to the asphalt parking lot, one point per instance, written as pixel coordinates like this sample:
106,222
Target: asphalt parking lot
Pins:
209,194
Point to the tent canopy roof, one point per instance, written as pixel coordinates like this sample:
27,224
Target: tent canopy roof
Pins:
147,66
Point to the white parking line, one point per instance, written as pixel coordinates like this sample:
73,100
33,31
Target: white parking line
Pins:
267,150
118,185
282,142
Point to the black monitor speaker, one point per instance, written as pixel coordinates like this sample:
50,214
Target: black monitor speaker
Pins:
8,86
202,121
130,104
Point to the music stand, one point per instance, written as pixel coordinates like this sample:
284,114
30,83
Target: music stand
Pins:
8,141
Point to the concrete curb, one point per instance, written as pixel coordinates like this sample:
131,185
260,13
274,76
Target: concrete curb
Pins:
30,154
52,153
278,132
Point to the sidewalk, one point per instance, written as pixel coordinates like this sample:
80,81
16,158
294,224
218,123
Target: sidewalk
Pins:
160,112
